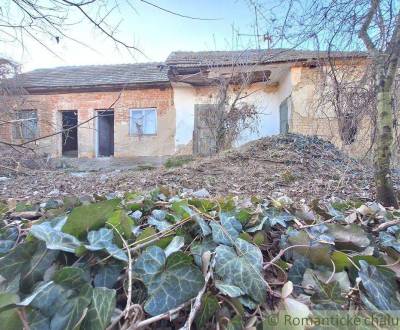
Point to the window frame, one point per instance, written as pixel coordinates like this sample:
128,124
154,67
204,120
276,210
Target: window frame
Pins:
17,134
142,110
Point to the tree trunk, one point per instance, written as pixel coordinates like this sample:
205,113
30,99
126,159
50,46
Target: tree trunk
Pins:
385,193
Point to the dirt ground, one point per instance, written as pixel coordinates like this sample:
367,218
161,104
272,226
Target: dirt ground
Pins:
297,166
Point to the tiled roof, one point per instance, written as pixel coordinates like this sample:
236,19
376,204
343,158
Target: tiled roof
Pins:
250,56
94,76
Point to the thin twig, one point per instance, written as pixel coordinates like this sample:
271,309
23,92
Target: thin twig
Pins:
166,315
197,303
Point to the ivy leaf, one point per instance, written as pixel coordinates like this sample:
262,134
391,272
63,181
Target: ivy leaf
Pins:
122,222
242,268
172,288
6,245
35,269
36,320
9,318
350,237
71,277
381,287
107,276
327,293
14,261
272,216
100,310
102,240
48,299
99,239
168,285
388,240
176,244
54,238
85,218
318,253
150,263
227,231
209,306
71,313
296,272
205,228
228,289
197,249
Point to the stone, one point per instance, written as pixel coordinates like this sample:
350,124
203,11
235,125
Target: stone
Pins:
30,215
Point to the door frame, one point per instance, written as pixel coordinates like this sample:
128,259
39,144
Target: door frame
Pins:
96,134
62,128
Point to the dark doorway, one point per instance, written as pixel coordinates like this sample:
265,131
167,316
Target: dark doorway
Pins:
70,133
105,133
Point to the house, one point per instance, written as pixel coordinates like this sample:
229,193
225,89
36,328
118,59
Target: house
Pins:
155,109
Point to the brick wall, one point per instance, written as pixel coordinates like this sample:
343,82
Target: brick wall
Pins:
49,109
309,117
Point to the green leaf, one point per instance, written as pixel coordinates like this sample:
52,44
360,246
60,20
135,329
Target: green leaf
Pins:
122,222
380,287
341,261
197,249
209,306
350,237
85,218
273,216
228,289
318,253
145,234
71,313
71,277
54,238
35,269
157,219
100,310
205,228
178,259
17,260
327,293
9,319
49,299
242,268
36,320
173,287
150,263
176,244
235,323
102,240
169,286
107,275
227,230
6,245
388,240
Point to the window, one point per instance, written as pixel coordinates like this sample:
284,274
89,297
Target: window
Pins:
143,122
26,125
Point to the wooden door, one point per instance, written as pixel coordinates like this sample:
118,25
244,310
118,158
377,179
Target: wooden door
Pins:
105,131
204,134
284,117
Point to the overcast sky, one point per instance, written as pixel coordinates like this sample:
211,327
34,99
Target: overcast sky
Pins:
153,31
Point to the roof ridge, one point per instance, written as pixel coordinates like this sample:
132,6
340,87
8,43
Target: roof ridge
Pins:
92,65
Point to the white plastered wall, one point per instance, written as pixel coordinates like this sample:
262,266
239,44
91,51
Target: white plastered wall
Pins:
265,99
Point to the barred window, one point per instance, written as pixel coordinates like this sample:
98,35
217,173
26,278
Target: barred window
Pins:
26,125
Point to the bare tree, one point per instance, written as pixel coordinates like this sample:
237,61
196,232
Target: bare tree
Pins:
372,25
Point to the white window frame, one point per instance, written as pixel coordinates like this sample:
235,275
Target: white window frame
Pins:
16,133
131,111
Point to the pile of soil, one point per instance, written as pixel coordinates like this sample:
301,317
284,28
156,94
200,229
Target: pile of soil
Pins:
298,166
